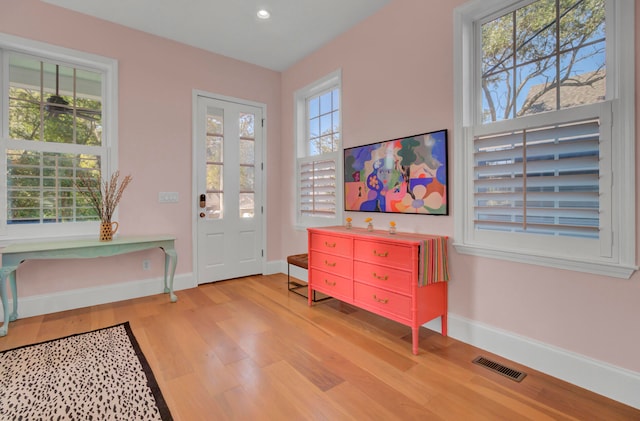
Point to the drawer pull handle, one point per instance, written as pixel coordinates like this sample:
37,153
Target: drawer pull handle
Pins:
328,244
330,264
331,284
382,278
385,254
380,300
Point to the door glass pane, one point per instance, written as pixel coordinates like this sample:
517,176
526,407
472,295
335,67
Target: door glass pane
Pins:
214,178
214,149
215,163
247,206
247,165
247,178
247,152
247,126
214,206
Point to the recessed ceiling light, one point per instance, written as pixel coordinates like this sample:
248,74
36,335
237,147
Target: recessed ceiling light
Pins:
263,14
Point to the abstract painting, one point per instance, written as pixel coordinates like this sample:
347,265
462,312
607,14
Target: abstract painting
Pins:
406,175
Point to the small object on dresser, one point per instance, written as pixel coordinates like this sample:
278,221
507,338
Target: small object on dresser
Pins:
348,225
392,227
369,222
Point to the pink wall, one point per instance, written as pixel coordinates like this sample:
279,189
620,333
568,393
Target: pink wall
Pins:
397,71
156,79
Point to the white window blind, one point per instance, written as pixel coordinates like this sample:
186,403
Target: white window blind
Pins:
543,180
41,189
318,187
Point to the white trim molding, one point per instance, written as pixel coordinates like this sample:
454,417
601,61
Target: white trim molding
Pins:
37,305
599,377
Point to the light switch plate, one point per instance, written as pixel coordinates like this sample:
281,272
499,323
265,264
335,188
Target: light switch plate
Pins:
167,197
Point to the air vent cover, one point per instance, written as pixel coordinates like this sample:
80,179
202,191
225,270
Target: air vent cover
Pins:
500,369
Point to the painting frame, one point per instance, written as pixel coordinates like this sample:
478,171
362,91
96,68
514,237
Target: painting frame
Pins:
407,175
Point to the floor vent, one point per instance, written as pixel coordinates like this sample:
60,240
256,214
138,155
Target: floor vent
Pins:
500,369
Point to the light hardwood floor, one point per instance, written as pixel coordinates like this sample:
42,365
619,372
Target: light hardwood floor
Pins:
247,349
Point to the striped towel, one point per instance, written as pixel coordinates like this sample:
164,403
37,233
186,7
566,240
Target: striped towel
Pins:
434,266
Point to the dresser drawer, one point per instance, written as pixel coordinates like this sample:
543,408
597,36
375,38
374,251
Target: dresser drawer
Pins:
382,301
384,253
342,246
395,280
338,265
332,284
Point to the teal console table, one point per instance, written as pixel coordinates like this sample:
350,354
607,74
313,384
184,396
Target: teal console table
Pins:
15,254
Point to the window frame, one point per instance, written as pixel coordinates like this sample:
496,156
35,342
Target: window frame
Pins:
620,203
109,69
331,81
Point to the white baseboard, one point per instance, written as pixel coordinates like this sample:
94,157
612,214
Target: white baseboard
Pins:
296,272
605,379
68,300
274,267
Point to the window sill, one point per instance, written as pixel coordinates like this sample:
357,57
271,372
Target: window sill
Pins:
315,224
598,268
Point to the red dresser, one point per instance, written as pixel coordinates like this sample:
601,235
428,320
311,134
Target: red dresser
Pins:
379,272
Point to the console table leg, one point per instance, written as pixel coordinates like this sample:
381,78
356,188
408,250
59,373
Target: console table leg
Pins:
14,293
443,323
414,339
5,274
170,263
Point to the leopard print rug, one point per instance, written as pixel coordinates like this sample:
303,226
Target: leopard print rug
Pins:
99,375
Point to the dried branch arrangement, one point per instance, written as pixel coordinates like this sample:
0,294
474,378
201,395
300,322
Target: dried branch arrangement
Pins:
104,195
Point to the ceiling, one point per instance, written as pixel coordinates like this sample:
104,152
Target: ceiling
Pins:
231,28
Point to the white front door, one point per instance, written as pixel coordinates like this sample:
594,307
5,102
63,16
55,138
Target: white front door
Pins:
228,155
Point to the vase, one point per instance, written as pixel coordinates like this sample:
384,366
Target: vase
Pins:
369,226
348,225
392,229
107,229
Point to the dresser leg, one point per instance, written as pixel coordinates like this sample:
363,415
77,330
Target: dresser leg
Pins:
414,339
443,323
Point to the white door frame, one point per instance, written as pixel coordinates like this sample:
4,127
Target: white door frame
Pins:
194,175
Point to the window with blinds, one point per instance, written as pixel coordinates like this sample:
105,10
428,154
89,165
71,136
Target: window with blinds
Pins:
318,145
58,122
545,133
543,180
